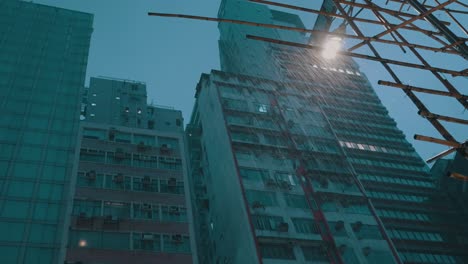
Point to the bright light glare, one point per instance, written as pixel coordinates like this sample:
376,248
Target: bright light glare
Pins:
82,243
331,47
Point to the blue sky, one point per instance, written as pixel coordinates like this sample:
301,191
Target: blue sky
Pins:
170,54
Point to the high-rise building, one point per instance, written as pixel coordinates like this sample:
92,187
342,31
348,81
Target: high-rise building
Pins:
43,58
294,159
129,203
450,175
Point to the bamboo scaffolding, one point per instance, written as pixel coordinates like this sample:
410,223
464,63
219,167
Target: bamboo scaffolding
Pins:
392,29
456,47
357,19
362,56
445,82
444,118
423,90
312,31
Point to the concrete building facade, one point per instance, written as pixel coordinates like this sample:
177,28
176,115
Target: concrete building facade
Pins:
130,196
43,59
308,167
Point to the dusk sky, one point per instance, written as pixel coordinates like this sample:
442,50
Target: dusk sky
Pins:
170,54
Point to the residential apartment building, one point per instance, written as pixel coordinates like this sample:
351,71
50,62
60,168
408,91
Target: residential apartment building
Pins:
130,196
43,58
294,159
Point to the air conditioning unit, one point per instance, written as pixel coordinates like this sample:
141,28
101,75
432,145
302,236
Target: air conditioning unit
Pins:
342,248
323,182
91,175
172,182
339,225
111,135
284,184
270,182
146,181
141,146
282,227
119,153
357,226
366,251
257,205
119,178
174,210
176,238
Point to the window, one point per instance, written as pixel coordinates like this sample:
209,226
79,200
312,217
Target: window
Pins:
144,161
147,242
92,155
235,104
239,119
296,201
244,136
174,213
170,163
305,226
255,175
146,211
116,210
261,108
122,137
368,232
94,134
171,143
266,222
90,179
176,243
261,198
314,253
117,182
145,184
172,185
277,251
87,208
144,139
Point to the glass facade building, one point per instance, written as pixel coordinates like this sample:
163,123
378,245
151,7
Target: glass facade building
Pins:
308,167
43,58
130,194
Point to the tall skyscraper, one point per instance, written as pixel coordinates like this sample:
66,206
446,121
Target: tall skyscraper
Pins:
43,58
294,159
130,197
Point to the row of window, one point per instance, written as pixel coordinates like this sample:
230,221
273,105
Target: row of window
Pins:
151,242
261,199
402,215
262,102
414,235
123,137
420,257
286,252
370,136
397,196
315,129
375,148
393,165
277,179
126,210
131,159
397,180
130,183
347,206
